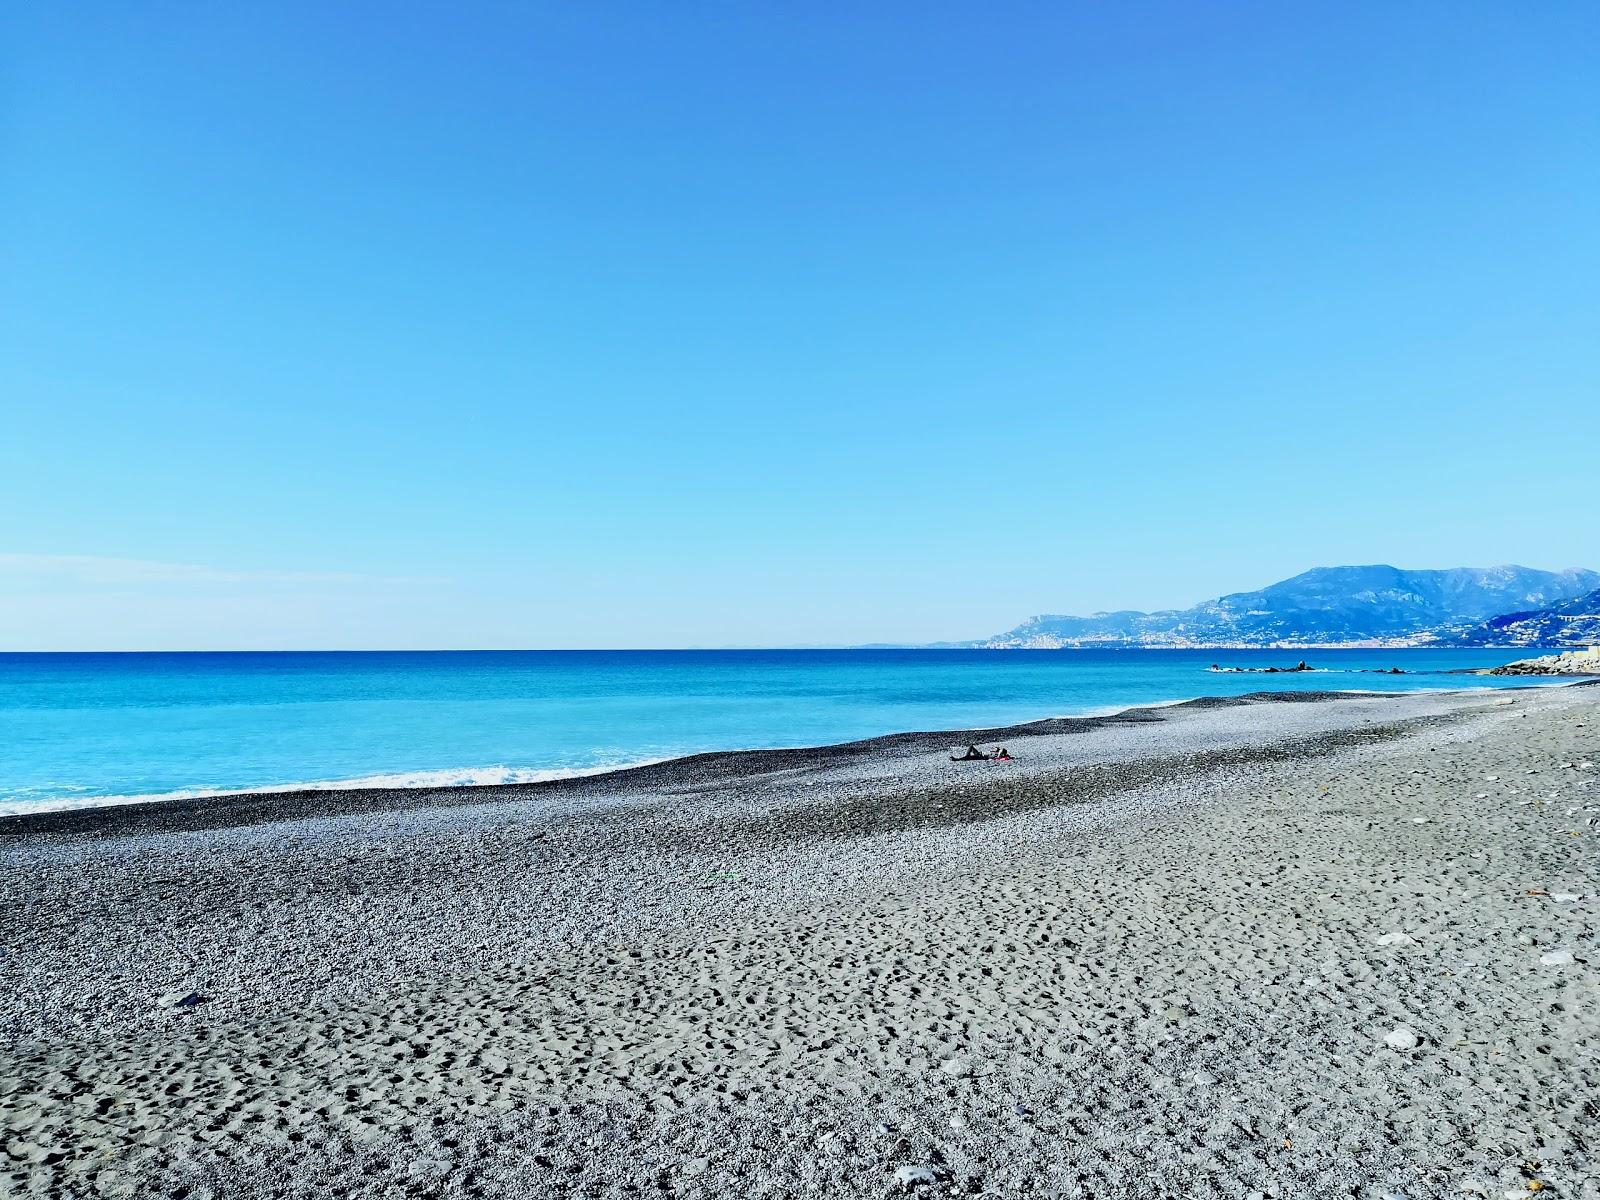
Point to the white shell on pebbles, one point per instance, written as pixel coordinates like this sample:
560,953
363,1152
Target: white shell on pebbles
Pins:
1566,897
1419,820
910,1177
1402,1037
1396,939
1555,958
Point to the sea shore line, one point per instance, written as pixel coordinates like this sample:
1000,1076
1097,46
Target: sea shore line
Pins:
1302,944
224,807
250,806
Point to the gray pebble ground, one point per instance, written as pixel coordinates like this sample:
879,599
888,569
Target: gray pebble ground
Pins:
1161,954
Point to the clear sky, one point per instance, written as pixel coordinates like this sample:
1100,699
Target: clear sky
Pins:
667,324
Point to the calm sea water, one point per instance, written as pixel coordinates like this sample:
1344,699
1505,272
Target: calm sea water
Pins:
99,728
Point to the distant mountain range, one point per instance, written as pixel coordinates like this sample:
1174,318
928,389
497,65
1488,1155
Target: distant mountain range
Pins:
1352,606
1574,622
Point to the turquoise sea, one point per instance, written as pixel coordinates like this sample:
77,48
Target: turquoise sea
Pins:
102,728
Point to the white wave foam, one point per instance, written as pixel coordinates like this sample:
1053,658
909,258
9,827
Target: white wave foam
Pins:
1116,710
461,777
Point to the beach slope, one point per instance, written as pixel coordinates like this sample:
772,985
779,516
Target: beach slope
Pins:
1308,946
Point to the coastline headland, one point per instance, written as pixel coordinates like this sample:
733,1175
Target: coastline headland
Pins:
1571,662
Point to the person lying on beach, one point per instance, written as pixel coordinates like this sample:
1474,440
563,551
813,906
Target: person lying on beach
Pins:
1002,755
973,754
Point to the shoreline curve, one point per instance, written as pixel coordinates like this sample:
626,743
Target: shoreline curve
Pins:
259,806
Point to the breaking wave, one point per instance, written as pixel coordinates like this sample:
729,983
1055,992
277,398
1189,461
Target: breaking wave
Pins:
17,805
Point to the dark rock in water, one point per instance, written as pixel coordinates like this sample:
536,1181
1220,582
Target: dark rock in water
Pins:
1299,666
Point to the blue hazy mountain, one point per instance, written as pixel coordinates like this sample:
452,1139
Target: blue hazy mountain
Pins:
1324,606
1574,622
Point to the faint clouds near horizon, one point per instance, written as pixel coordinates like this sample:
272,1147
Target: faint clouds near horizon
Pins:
52,602
97,570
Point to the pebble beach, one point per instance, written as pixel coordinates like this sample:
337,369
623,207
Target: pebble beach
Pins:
1307,945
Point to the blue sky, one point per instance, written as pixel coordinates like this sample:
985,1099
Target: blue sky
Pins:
644,325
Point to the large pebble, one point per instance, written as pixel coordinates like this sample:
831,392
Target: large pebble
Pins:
1555,958
1402,1037
909,1177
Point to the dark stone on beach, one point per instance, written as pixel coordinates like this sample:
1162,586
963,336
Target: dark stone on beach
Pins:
183,1000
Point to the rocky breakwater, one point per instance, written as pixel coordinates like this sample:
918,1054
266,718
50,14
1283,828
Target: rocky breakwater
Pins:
1573,662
